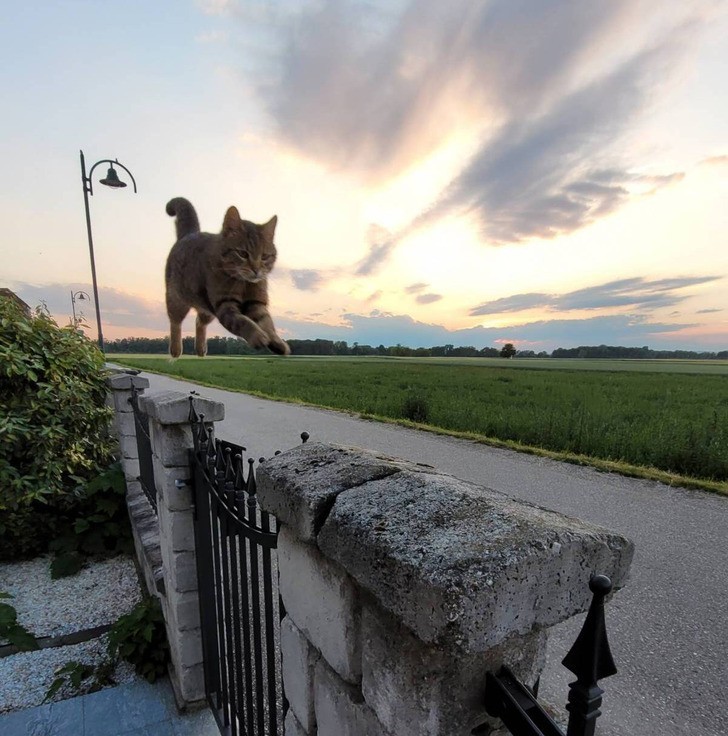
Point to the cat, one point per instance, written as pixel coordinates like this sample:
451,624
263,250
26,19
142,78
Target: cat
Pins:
221,275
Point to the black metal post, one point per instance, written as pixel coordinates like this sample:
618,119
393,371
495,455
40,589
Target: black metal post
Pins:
87,184
590,659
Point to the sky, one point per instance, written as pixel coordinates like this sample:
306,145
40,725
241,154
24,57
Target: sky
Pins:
473,172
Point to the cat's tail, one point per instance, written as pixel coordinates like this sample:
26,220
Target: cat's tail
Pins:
187,221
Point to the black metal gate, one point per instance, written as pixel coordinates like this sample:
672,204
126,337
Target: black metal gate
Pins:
144,450
240,608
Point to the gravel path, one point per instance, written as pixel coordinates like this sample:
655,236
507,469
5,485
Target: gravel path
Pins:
98,594
26,677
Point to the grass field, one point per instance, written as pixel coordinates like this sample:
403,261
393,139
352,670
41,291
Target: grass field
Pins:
669,415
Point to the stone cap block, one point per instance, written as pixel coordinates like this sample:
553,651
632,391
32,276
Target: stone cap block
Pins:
458,564
173,407
125,381
299,486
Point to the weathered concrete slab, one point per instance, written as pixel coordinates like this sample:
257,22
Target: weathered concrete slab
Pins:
125,381
173,407
464,565
300,485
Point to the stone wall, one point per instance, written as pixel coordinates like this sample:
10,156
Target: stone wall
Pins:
403,587
164,540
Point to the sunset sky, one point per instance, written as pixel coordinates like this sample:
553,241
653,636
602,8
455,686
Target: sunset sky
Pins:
543,172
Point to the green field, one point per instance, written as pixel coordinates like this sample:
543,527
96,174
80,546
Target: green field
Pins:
668,415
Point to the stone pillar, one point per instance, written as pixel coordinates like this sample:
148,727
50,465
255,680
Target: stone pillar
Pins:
171,439
403,587
144,526
119,399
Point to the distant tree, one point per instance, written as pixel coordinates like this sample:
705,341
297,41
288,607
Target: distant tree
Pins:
508,350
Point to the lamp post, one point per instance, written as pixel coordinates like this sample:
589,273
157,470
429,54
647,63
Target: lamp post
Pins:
111,180
82,296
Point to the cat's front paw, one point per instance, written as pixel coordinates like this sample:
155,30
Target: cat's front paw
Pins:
258,339
278,346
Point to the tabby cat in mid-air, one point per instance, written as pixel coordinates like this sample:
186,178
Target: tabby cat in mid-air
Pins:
221,275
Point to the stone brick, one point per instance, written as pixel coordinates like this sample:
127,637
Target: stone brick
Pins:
340,708
124,425
129,447
125,381
300,485
464,565
176,532
291,726
185,648
171,444
322,602
184,609
130,467
120,402
299,659
173,407
176,498
182,572
421,690
189,685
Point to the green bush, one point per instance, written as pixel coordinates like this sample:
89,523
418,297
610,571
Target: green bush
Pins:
53,421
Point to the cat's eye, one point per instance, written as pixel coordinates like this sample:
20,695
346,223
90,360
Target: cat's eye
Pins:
242,255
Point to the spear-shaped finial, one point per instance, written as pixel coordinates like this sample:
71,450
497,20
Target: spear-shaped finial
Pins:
590,659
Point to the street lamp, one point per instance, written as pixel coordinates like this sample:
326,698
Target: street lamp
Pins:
81,296
111,180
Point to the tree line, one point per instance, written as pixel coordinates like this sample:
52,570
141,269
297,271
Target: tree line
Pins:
236,346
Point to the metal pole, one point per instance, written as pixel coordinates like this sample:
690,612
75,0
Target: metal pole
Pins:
73,308
86,188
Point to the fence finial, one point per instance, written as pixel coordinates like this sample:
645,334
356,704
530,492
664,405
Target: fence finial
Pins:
590,659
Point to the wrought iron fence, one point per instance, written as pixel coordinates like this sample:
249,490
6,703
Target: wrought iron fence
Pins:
240,608
144,450
590,659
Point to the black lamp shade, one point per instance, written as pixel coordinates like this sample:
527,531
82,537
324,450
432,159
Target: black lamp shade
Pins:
112,179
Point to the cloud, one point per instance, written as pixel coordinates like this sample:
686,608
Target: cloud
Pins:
548,92
708,311
307,279
428,298
374,296
381,243
544,176
118,308
638,293
390,329
415,288
715,161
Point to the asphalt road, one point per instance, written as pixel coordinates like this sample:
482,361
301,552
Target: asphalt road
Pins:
667,627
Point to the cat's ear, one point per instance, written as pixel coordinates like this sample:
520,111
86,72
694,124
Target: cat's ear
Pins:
232,221
269,228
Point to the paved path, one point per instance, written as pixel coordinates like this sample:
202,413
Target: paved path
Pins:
136,709
668,626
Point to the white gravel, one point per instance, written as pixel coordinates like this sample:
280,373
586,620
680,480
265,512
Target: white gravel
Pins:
98,594
26,677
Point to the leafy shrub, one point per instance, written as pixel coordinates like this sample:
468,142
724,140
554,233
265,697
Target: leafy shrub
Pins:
415,407
99,524
139,637
11,630
53,420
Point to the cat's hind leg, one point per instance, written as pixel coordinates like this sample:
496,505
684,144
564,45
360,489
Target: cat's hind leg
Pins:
176,311
203,319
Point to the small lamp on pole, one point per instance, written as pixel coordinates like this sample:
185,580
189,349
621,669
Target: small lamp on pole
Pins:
80,296
110,180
